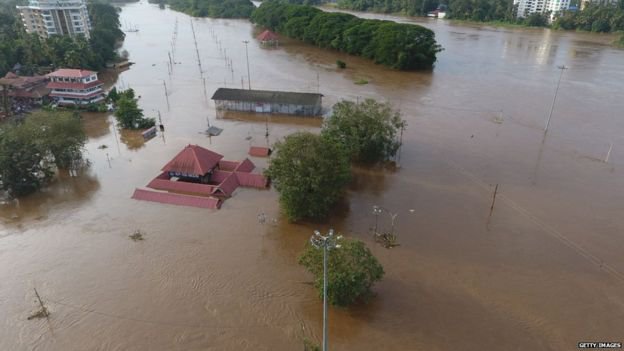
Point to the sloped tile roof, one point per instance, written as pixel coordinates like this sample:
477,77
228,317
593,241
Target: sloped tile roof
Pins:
176,199
194,159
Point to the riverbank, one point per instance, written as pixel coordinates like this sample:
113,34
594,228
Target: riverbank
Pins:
458,22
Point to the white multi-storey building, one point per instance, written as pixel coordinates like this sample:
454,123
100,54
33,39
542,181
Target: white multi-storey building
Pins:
75,87
56,17
528,7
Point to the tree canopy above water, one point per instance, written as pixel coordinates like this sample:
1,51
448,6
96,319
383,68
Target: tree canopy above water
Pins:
397,45
30,150
212,8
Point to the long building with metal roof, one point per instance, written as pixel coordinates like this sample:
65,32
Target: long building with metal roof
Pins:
268,101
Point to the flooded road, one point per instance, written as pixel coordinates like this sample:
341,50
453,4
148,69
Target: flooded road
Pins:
545,272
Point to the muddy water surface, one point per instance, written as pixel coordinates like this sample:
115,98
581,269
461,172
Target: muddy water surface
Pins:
545,272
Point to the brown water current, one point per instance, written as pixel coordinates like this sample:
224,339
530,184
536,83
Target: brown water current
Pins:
546,272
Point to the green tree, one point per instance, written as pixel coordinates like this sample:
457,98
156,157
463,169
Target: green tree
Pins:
367,130
30,151
128,113
213,8
22,169
397,45
309,174
60,134
351,271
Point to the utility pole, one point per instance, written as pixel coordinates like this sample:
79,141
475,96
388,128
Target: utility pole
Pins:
327,243
247,55
5,100
166,94
552,107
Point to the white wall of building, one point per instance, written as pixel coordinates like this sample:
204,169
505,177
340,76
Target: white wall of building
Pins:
56,17
528,7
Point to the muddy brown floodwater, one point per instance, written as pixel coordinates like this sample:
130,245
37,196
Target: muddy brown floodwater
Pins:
545,273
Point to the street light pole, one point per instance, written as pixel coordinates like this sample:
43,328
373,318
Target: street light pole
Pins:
327,243
247,55
552,107
325,348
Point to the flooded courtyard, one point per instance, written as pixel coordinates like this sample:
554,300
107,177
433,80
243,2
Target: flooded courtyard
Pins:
545,272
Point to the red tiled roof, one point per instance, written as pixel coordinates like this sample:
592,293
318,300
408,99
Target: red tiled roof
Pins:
194,159
229,166
259,151
220,176
267,35
30,94
71,73
76,95
18,82
245,166
182,187
252,180
177,199
228,186
71,85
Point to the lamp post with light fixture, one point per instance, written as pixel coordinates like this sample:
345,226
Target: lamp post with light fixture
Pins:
327,243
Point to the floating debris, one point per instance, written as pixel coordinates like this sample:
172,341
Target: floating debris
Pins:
103,146
386,240
42,312
213,131
138,235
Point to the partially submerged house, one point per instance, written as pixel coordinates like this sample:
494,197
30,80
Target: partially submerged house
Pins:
268,101
199,177
29,89
268,38
76,87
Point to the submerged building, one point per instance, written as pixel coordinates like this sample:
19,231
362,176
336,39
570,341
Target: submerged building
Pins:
75,87
56,17
199,177
268,101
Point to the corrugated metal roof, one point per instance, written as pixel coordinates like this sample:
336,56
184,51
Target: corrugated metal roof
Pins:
266,96
176,199
194,159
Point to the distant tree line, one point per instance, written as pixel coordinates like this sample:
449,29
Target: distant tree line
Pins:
17,46
411,8
594,18
397,45
211,8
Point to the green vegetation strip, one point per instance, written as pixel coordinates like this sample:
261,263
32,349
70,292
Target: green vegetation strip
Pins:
211,8
397,45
